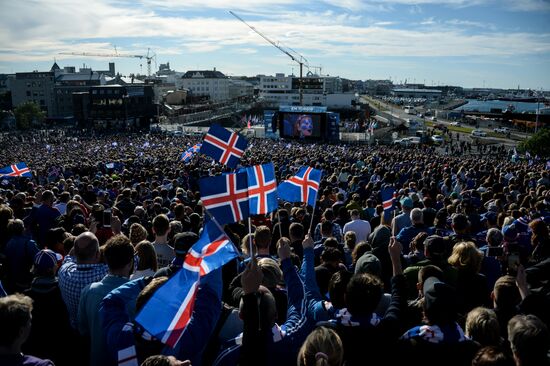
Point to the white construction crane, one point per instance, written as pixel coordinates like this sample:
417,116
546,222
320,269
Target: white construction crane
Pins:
149,57
299,59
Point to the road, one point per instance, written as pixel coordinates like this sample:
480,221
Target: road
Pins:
394,112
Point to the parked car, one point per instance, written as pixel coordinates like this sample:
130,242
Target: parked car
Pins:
479,133
402,142
458,124
437,139
504,130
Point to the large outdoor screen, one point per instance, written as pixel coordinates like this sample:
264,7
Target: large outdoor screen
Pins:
301,125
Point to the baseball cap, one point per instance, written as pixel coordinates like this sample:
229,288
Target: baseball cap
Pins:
184,241
368,263
46,259
407,202
435,245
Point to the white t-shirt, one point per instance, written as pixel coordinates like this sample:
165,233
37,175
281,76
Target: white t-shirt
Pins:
360,227
165,254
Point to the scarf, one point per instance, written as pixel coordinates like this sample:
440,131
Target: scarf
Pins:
127,355
344,317
436,334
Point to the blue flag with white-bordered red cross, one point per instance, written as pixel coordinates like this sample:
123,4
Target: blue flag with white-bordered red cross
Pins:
302,187
262,189
225,197
166,315
15,170
224,146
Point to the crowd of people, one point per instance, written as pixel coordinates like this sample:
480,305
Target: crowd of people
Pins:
453,271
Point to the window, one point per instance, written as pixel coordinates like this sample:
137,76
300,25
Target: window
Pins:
28,93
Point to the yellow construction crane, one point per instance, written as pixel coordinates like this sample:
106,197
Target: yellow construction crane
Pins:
149,57
299,59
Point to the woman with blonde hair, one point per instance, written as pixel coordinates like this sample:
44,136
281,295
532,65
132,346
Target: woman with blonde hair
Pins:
323,347
472,286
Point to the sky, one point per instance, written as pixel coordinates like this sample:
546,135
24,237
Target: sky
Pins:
470,43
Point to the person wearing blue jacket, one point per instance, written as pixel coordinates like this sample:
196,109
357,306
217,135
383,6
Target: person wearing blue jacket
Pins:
128,341
264,342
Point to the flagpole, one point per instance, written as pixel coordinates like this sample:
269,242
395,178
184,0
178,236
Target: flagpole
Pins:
250,237
221,229
280,226
312,214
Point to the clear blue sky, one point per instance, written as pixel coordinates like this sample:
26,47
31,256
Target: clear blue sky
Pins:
496,43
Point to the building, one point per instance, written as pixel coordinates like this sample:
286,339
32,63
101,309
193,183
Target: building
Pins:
239,89
69,82
430,94
5,91
36,87
119,107
52,90
211,83
378,87
316,91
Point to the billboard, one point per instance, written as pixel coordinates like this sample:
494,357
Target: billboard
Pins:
301,125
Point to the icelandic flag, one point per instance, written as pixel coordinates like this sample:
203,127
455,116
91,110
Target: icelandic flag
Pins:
226,197
166,315
224,146
262,189
16,170
188,154
302,187
388,202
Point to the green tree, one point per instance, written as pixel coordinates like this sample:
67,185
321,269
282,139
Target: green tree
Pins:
27,113
538,144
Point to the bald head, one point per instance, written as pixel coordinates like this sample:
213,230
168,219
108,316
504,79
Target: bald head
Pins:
86,248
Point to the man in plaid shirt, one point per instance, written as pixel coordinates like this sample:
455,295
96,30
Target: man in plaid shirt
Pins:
74,276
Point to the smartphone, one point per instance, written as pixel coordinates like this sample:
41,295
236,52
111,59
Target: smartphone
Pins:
107,218
513,263
495,251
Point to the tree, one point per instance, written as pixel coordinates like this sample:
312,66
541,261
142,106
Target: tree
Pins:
537,144
28,113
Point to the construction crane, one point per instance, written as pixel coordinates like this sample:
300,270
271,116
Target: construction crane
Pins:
299,59
149,57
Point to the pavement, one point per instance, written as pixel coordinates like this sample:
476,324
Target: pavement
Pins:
396,113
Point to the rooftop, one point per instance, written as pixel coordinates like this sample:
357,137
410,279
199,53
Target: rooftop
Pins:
206,74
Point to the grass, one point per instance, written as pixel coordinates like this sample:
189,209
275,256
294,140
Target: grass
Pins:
451,128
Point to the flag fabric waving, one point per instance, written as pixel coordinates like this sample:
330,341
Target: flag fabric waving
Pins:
15,170
262,189
188,154
226,197
168,312
224,146
302,187
388,201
